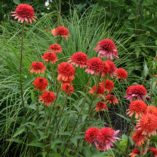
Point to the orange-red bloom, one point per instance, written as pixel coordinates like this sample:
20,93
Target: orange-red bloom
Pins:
37,67
148,124
56,48
121,73
47,97
154,151
137,108
136,92
50,57
134,152
111,66
111,99
94,66
138,137
24,13
60,31
107,48
152,110
101,106
91,135
109,85
79,59
105,70
67,88
40,83
98,89
65,72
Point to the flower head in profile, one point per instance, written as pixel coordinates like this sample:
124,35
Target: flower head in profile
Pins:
109,85
101,106
56,48
50,57
111,99
40,83
152,110
98,89
121,73
94,66
67,88
105,69
37,67
137,108
66,72
79,59
147,124
106,138
111,67
136,92
47,98
24,13
107,48
91,135
134,152
60,31
138,138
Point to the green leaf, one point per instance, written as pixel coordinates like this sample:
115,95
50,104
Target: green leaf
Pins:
16,1
19,131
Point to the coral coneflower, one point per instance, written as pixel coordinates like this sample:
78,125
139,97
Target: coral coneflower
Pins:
121,73
109,85
40,83
94,66
37,67
152,110
106,138
153,150
134,152
65,72
101,106
56,48
111,67
98,89
137,108
136,92
50,57
107,48
91,135
111,99
148,124
47,98
105,69
24,13
67,88
60,31
138,137
79,59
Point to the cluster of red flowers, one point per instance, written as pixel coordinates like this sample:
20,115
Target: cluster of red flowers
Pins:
145,116
102,138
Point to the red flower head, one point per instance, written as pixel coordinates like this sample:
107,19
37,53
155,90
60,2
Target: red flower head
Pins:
121,73
134,152
37,67
40,83
105,70
112,67
111,99
67,88
60,31
136,92
101,106
154,151
137,108
65,72
138,138
109,85
56,48
107,48
91,135
98,89
79,59
47,98
106,138
50,57
94,66
24,13
152,110
148,124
